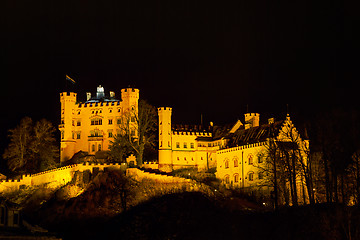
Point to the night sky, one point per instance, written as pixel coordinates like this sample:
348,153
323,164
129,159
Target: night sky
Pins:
199,57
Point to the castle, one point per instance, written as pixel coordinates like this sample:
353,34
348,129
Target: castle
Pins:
90,126
237,151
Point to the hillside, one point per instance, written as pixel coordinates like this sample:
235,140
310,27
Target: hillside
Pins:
157,212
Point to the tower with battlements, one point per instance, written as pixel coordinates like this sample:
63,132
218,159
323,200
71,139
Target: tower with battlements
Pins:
90,126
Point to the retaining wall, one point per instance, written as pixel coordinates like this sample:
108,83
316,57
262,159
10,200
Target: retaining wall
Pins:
55,177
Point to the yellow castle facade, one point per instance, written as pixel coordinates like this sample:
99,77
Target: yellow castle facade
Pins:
90,126
238,152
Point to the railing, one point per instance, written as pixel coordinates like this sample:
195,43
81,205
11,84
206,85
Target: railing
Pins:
96,138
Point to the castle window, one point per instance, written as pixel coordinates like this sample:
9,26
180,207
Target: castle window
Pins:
62,134
177,145
261,175
178,158
93,148
236,178
73,135
260,160
110,121
226,163
99,147
78,112
227,179
119,121
251,176
96,121
250,157
78,135
236,162
132,119
191,145
185,145
110,110
110,134
119,109
78,123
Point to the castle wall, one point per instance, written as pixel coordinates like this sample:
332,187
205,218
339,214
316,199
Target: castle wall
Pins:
235,165
53,178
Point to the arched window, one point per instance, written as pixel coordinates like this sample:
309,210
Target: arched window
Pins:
226,163
236,178
251,176
250,158
227,179
236,162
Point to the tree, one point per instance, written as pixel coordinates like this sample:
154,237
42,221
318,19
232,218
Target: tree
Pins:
44,147
137,129
32,147
18,152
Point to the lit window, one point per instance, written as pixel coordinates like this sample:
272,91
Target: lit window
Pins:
251,176
236,162
177,145
236,178
227,179
191,145
185,145
250,159
96,121
226,163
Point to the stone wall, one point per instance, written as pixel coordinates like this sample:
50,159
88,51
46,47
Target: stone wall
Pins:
55,177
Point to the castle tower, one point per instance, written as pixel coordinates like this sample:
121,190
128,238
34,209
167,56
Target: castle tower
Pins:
165,135
252,120
67,144
130,98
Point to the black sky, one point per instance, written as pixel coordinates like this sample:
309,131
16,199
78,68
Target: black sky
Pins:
209,57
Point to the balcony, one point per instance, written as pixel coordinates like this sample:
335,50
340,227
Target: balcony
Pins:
96,138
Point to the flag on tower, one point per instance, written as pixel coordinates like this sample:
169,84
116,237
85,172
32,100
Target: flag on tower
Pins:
70,79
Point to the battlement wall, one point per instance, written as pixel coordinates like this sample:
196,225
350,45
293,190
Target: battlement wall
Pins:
55,177
226,150
139,175
99,104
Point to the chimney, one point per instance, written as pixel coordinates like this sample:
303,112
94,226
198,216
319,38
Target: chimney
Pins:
100,92
271,120
112,94
88,96
252,120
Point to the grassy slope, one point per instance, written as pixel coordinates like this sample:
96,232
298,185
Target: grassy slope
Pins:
96,214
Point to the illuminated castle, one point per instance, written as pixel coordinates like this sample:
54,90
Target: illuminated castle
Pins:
237,151
90,126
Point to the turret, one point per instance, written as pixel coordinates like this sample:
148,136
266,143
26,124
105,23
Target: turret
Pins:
252,120
165,135
130,97
68,101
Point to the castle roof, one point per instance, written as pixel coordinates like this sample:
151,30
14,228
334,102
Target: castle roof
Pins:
255,134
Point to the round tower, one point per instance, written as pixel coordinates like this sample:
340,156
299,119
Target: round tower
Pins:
165,135
67,144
